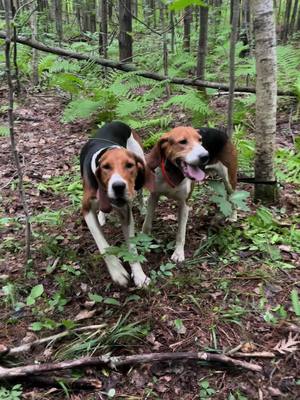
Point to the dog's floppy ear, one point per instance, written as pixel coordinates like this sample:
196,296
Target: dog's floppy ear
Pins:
153,159
145,177
104,203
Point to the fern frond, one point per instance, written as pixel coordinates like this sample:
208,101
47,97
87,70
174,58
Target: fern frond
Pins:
192,100
81,108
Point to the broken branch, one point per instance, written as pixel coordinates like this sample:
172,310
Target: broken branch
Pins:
23,348
131,68
114,362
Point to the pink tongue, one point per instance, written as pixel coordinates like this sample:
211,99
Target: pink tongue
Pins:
195,173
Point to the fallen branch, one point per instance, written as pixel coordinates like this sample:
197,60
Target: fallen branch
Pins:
255,354
25,348
131,68
114,362
55,381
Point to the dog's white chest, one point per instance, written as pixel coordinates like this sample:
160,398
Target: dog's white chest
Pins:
180,192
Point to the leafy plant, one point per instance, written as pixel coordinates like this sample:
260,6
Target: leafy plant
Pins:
206,392
143,244
14,393
35,293
228,204
295,302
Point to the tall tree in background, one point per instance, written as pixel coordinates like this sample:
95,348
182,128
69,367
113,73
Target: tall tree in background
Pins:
58,20
187,29
286,24
103,29
202,44
34,30
125,39
233,39
293,18
266,98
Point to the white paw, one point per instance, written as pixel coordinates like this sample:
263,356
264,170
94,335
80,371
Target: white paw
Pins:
116,270
178,255
101,218
140,279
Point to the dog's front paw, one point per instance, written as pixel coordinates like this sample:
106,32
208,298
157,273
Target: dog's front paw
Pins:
117,272
178,255
140,279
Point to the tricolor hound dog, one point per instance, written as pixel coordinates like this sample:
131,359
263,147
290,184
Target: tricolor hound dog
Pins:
113,168
180,157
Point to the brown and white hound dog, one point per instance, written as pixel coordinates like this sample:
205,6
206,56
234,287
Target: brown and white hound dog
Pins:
180,157
113,168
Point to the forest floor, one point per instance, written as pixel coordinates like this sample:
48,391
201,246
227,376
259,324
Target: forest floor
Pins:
232,291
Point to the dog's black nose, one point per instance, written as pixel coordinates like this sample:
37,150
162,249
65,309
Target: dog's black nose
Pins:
118,188
204,159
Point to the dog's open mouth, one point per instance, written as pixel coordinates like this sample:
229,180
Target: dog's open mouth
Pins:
192,171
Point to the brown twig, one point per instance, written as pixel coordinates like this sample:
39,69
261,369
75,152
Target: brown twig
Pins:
130,68
25,348
114,362
7,37
55,381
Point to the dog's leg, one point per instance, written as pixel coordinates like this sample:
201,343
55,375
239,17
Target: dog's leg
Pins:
222,171
115,268
138,275
152,203
183,213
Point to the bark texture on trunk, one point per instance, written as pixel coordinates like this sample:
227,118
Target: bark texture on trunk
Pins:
35,60
187,29
125,39
233,39
58,20
266,98
103,29
202,45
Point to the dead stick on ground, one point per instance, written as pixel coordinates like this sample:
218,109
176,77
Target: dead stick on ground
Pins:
24,348
114,362
131,68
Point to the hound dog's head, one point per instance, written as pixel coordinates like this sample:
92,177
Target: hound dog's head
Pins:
182,146
120,173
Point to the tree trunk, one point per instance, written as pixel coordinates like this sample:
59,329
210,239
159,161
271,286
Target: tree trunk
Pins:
285,30
172,32
293,18
187,29
298,20
153,12
103,29
266,98
125,39
233,39
34,60
58,20
110,10
202,46
10,114
165,45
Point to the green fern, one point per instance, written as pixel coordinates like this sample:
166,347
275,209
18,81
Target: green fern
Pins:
288,62
68,82
81,108
62,65
192,100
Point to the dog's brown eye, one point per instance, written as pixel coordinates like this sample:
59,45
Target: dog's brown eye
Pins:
129,165
183,141
107,167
